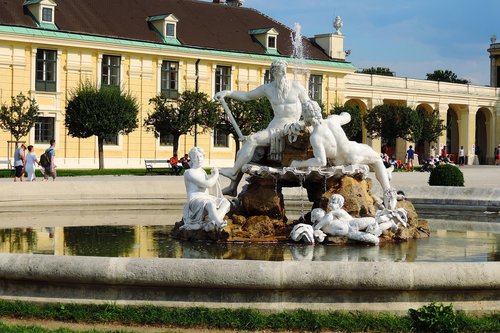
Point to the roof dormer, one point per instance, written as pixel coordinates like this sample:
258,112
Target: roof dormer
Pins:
43,12
165,26
267,37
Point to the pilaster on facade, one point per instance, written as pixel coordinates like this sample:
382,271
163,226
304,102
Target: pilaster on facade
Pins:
374,101
443,115
469,133
99,68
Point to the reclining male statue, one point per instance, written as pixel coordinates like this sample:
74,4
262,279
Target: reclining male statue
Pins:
286,99
329,141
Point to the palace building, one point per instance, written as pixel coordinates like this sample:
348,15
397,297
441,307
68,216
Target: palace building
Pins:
48,47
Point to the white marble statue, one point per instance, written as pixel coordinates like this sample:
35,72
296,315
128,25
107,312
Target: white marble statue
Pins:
306,233
286,99
338,222
329,141
202,209
390,216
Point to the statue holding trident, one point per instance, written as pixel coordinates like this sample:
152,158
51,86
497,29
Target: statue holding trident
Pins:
286,99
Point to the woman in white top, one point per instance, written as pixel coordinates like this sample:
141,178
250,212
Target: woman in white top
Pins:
31,159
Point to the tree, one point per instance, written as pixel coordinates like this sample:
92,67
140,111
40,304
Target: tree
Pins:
19,118
353,128
445,76
104,112
179,116
251,116
390,122
377,71
432,126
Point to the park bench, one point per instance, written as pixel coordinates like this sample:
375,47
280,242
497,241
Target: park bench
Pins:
159,166
8,166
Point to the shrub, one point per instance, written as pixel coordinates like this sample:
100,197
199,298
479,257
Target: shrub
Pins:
434,317
446,175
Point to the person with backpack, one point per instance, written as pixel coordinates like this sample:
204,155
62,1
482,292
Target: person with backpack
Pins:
50,167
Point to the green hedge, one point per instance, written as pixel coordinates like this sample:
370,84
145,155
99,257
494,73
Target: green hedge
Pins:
446,175
428,318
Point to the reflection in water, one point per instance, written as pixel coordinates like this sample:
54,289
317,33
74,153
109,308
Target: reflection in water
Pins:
18,240
154,242
99,241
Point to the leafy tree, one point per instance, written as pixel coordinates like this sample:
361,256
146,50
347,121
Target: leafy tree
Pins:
378,71
415,125
179,116
19,118
251,116
390,122
104,112
432,126
353,128
445,76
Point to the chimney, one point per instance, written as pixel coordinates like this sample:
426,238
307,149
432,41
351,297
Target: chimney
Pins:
333,44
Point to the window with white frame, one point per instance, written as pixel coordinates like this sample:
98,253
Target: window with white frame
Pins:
47,15
271,42
315,87
170,30
110,70
46,65
169,79
166,139
222,78
44,130
221,138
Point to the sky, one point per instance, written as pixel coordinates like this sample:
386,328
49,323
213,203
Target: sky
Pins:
411,37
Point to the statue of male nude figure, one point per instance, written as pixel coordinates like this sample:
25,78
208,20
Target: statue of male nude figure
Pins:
286,99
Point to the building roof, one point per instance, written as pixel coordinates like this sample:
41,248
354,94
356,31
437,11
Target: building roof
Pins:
201,24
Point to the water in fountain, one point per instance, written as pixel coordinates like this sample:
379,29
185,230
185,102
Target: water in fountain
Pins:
298,52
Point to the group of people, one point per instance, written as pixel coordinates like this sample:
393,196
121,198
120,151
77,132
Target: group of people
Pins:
179,164
434,159
27,162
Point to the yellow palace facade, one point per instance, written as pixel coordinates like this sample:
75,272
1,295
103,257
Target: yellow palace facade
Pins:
161,46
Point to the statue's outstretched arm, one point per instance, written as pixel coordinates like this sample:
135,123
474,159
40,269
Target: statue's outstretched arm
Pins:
246,96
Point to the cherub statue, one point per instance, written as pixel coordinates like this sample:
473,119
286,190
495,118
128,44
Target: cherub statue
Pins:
338,222
203,210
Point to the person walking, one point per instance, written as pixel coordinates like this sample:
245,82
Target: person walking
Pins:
19,162
461,156
31,160
497,155
50,169
410,157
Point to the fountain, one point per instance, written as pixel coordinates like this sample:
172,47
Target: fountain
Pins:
341,202
298,149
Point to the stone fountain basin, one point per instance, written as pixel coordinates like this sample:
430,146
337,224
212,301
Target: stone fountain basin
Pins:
362,286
